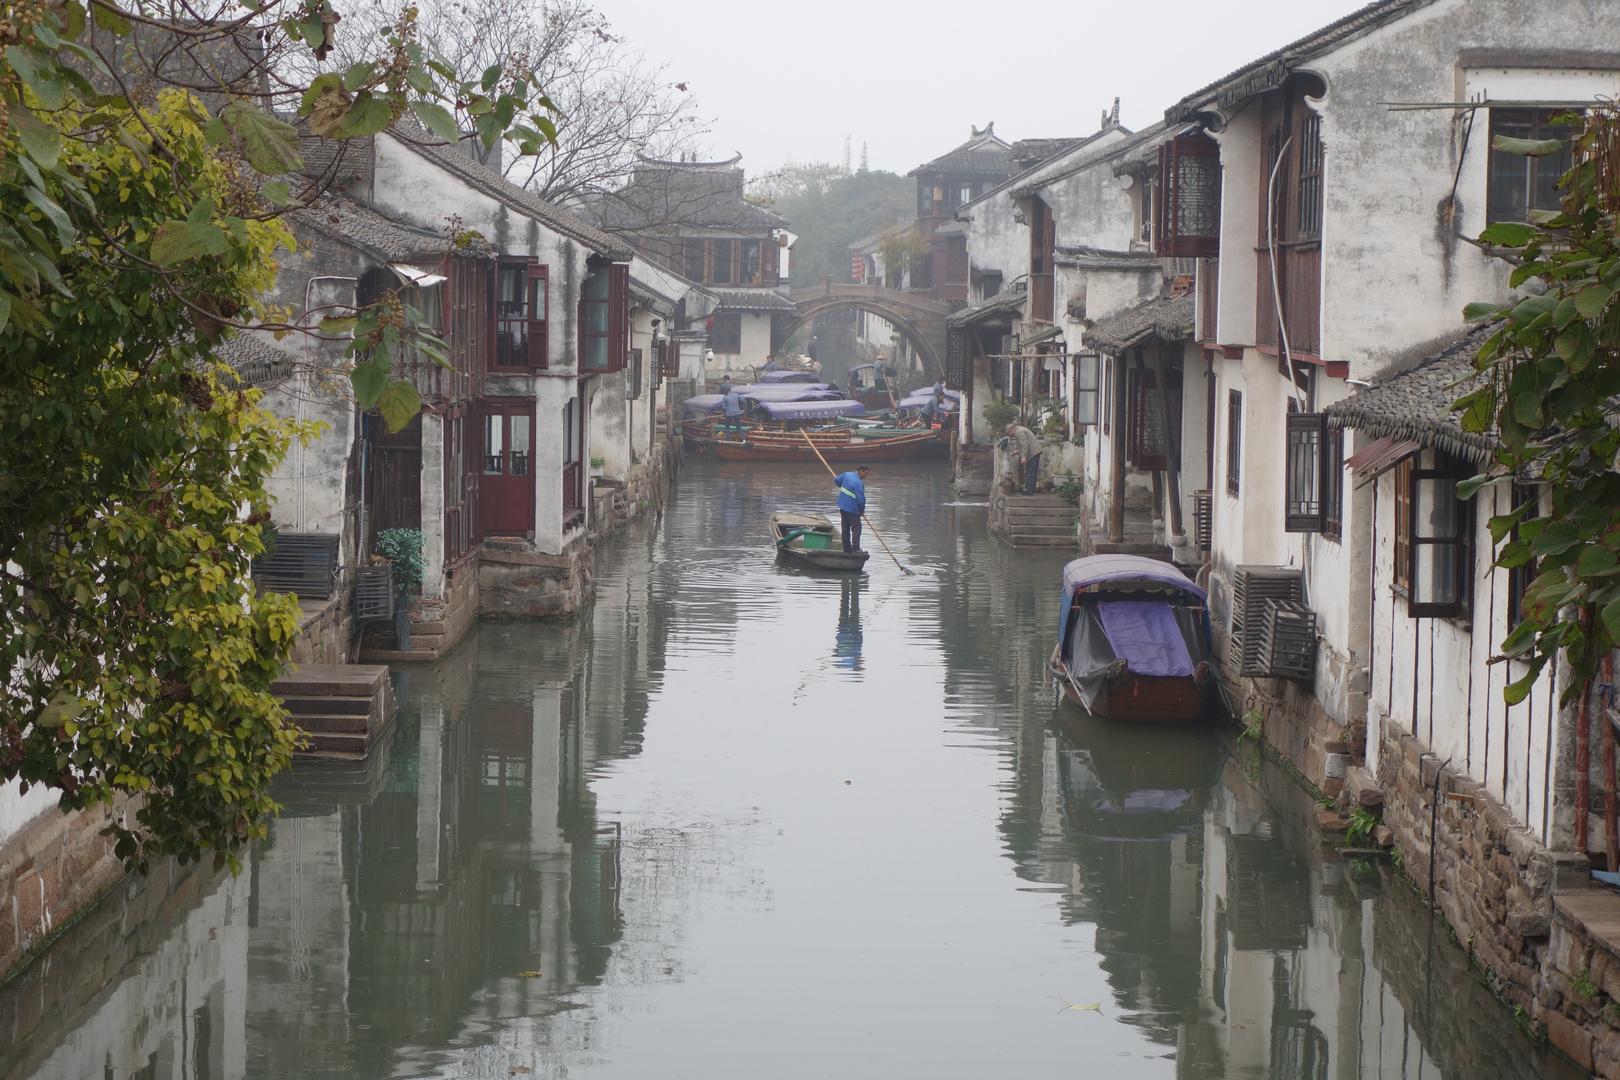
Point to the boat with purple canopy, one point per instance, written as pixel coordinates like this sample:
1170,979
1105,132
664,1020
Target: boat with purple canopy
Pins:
1133,640
787,377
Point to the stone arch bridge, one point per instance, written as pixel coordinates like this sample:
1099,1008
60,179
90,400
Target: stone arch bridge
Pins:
919,320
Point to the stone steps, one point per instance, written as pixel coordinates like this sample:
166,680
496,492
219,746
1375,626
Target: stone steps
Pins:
340,709
1025,540
1041,530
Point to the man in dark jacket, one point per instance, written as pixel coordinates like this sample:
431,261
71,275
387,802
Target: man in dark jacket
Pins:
852,504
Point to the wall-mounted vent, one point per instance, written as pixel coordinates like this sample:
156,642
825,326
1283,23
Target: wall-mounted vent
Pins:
1203,516
373,593
1252,586
304,564
1288,640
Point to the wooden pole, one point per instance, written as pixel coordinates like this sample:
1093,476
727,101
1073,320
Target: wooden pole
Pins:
1611,807
864,518
1116,500
1172,447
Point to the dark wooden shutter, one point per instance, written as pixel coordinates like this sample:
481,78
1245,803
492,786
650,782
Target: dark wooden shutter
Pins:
1146,438
539,356
618,315
1189,203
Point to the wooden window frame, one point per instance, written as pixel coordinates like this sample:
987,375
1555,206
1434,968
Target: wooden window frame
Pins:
1402,527
1313,476
1308,212
729,261
1086,403
1108,396
1188,193
536,354
716,343
1234,442
1441,468
1142,395
1526,124
1520,577
616,333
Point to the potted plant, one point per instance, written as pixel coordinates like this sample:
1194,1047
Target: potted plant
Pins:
998,414
403,550
596,466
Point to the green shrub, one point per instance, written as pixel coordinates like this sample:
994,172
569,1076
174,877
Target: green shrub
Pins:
998,414
403,548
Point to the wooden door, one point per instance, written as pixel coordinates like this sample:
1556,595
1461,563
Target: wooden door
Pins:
506,478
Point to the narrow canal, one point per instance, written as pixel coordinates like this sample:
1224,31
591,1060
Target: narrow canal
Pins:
739,821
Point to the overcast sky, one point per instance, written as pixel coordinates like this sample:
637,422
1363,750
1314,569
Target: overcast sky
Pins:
781,81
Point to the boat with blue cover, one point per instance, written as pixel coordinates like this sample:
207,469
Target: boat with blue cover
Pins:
1133,640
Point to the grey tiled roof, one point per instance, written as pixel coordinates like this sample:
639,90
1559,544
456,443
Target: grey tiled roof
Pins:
1133,140
1270,70
1009,299
481,178
1167,318
1028,152
381,237
982,155
686,195
1416,403
255,361
751,300
1089,258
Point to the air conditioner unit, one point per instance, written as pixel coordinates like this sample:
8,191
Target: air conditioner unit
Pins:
304,564
1288,640
1252,586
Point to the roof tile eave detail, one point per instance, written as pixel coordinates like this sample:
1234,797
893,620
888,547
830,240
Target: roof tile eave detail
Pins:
496,186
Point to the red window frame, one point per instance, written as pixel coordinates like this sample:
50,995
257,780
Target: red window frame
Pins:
604,319
526,326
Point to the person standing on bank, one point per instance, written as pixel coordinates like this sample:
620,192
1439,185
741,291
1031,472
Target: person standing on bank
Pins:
1029,453
852,504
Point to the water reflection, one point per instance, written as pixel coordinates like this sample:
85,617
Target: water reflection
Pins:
675,838
847,643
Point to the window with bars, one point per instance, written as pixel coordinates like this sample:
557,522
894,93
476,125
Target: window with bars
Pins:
1518,184
522,306
1310,176
1234,440
1314,476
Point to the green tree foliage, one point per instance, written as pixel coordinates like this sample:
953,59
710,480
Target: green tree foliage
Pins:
1554,371
138,228
830,209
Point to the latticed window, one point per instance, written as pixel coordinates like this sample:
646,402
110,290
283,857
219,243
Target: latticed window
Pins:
1310,175
1314,475
1189,197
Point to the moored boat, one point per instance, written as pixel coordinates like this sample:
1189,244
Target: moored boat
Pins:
1133,640
811,540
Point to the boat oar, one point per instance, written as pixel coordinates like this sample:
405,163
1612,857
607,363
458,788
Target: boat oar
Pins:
864,518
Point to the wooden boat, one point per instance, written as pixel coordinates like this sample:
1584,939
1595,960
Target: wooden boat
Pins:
811,540
1133,640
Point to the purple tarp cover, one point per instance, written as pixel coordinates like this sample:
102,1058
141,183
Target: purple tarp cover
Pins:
923,397
1145,635
810,410
786,377
1095,569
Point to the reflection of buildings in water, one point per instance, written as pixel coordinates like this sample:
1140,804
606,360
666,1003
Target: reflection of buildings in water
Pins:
1222,931
427,911
130,1004
847,641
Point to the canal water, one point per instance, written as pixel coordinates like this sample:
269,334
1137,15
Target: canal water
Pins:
742,821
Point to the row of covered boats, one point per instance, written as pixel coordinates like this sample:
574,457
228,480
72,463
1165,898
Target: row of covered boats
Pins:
791,416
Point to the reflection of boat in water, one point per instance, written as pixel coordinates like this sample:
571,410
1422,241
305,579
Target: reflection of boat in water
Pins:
811,540
1133,639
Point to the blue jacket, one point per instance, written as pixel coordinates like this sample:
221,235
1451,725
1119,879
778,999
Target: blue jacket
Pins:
732,404
851,493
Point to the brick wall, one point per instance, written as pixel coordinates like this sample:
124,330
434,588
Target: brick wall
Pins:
55,866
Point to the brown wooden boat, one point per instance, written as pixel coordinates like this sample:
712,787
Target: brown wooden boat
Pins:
1133,640
810,540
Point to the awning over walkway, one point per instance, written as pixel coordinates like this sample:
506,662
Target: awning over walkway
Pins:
1166,318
